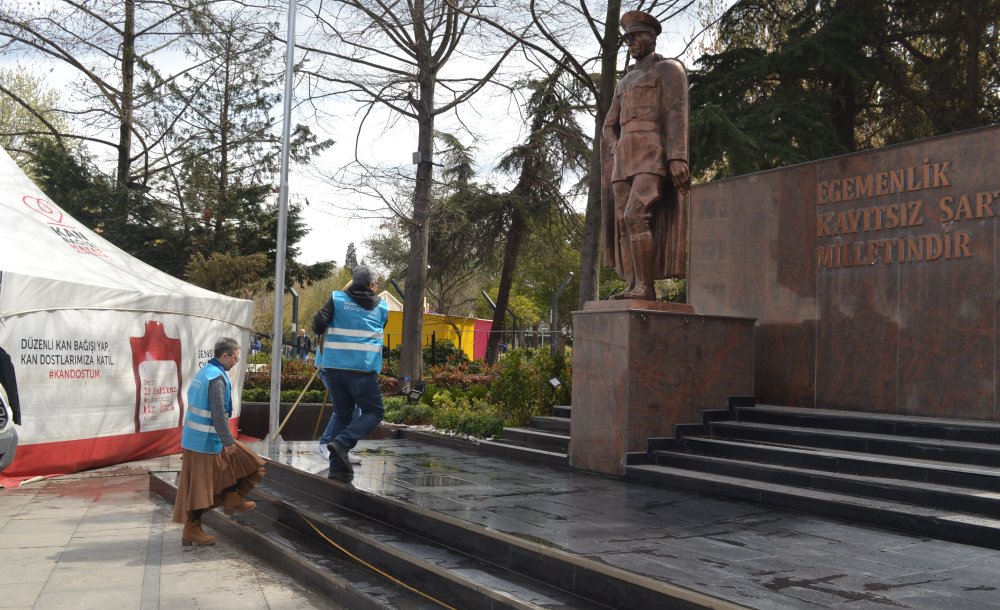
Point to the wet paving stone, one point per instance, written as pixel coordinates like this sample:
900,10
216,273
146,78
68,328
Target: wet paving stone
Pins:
753,555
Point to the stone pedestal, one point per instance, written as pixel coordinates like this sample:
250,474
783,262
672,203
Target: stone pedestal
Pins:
640,367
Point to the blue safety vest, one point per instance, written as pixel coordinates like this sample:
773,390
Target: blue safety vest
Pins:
353,341
199,434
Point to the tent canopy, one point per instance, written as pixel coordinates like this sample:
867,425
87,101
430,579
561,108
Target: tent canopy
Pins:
103,345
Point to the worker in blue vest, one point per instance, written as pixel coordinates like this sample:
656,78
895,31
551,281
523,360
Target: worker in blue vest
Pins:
349,357
216,469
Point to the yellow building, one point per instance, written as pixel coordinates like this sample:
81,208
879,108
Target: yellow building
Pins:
468,334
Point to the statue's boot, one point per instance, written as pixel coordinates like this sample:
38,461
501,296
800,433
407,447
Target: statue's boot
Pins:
627,271
642,264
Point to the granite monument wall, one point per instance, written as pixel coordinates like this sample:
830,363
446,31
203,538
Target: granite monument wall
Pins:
873,276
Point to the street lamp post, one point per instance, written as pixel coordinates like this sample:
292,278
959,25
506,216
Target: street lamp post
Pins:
555,315
279,262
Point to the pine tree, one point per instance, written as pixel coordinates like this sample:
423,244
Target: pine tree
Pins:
351,257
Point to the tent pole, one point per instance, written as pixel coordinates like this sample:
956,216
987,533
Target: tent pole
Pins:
279,263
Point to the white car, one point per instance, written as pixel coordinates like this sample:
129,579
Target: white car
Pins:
8,434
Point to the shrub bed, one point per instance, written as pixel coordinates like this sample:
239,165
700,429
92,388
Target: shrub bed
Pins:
463,397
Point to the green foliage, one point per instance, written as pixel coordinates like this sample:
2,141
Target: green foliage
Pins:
546,367
794,81
444,352
399,410
262,357
18,125
263,394
70,178
450,411
256,394
351,257
295,374
456,412
514,389
228,274
447,419
549,254
522,387
480,425
311,396
467,398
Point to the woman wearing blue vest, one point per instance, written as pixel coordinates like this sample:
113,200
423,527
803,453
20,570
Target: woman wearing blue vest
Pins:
349,358
216,469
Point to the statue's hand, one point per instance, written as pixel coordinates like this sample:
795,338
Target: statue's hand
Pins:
681,176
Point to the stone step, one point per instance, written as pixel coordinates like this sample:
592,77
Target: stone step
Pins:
961,452
538,439
934,522
846,462
458,579
947,497
875,423
559,425
304,557
562,411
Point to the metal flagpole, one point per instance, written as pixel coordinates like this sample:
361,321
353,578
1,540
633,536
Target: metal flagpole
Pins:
279,263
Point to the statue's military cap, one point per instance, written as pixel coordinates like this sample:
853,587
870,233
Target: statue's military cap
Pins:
639,21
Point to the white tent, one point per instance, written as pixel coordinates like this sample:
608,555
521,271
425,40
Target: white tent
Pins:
103,345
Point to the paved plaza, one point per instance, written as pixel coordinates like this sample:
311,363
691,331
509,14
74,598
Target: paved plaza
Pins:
101,539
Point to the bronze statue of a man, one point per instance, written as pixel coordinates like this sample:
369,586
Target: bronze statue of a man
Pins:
645,165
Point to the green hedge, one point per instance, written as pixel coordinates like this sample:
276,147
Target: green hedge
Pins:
465,397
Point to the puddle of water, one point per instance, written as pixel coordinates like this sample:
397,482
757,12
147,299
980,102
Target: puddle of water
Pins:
439,466
377,451
433,480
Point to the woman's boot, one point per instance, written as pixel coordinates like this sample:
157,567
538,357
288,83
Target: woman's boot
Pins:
193,534
235,502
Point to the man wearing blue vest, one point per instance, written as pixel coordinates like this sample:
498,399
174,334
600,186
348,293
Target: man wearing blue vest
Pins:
349,358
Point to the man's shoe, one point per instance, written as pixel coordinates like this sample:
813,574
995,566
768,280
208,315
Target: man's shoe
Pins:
339,453
340,475
323,451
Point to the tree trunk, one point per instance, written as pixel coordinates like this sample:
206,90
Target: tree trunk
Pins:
515,237
972,86
222,203
590,251
411,362
119,219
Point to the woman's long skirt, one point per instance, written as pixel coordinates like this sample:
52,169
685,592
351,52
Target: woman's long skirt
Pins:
204,476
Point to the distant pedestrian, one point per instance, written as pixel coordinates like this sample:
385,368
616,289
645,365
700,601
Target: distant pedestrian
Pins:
349,358
216,469
303,344
255,346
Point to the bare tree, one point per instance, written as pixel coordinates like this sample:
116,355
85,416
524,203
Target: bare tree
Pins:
418,59
106,42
